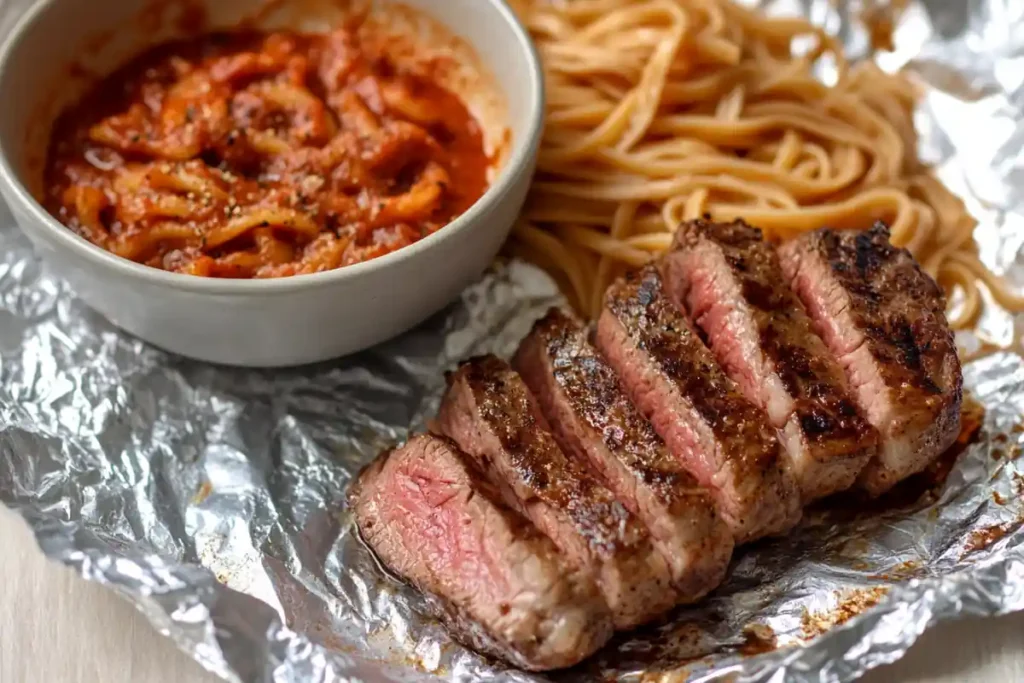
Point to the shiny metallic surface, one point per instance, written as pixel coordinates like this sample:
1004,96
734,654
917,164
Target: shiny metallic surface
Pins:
212,498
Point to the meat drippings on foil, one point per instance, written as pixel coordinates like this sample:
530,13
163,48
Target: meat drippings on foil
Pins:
849,605
758,639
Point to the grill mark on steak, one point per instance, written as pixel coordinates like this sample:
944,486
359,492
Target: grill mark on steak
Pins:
884,318
719,436
593,421
490,413
499,585
731,283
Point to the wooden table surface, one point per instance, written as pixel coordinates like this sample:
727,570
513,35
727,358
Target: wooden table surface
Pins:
57,628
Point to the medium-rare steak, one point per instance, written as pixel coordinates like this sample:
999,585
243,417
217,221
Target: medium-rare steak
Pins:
593,420
719,436
490,413
502,586
730,282
884,319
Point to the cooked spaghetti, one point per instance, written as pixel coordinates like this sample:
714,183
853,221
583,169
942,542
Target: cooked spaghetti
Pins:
665,110
264,155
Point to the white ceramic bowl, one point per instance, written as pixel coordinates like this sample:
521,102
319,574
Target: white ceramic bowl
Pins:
277,322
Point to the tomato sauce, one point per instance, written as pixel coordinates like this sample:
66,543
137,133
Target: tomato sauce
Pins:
254,154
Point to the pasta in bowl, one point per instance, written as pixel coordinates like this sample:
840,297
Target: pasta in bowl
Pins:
333,174
265,154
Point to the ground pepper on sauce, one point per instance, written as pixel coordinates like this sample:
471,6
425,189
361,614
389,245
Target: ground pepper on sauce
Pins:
251,154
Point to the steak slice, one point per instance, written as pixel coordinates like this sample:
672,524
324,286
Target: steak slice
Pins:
730,282
594,421
719,436
490,413
884,319
502,586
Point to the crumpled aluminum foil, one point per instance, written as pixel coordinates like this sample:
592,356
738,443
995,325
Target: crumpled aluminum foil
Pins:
212,498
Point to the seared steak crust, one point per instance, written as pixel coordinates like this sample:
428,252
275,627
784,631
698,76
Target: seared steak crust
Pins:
490,413
499,584
594,421
719,436
884,318
730,281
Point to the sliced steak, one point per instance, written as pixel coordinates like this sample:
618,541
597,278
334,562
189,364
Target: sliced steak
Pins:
490,413
503,587
730,282
593,421
719,436
884,319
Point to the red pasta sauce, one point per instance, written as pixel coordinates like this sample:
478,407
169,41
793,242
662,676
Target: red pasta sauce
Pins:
264,155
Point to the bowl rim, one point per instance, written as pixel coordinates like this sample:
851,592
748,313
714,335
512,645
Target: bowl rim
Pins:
520,161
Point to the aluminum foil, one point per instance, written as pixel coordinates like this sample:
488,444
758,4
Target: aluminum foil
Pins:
212,498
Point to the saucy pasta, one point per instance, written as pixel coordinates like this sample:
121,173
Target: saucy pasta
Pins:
264,155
